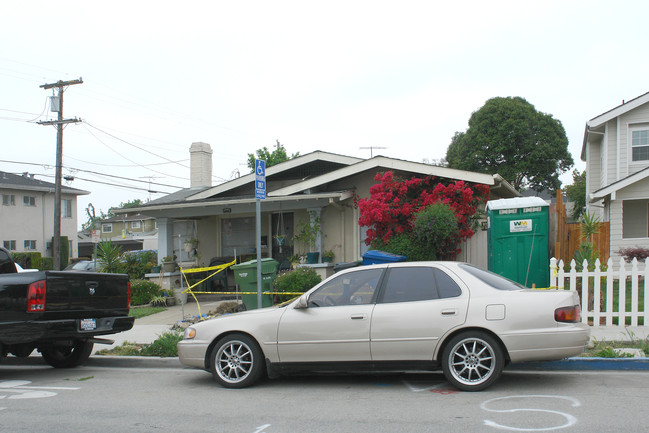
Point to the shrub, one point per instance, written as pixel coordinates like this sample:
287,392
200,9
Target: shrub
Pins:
47,263
436,229
110,257
139,263
404,244
300,280
636,252
144,291
28,260
164,346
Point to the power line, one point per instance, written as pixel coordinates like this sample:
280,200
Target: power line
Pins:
91,171
110,184
130,160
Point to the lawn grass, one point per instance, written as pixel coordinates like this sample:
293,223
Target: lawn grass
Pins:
145,311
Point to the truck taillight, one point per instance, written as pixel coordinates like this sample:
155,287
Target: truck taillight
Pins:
128,296
36,297
568,314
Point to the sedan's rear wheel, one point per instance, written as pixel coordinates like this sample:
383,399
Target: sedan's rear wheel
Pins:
237,361
472,361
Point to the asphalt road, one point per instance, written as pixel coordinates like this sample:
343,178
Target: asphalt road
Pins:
119,395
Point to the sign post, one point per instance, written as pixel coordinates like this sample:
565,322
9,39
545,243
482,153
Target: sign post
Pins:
260,194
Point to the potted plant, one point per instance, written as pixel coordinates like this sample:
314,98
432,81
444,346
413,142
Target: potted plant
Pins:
328,256
190,245
307,234
169,263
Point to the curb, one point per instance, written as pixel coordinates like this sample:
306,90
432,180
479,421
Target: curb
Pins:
102,361
569,364
584,364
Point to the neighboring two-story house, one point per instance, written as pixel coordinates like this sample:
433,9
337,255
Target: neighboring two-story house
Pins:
131,231
27,214
616,152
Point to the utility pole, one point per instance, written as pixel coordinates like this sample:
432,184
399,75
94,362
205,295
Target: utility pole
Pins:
57,105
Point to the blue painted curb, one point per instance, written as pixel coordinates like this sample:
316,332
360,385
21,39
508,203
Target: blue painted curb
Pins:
572,364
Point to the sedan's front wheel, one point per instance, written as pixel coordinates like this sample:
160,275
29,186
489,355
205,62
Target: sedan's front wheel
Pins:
472,361
237,361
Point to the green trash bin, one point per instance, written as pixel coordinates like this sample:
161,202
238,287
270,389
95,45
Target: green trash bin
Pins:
245,275
518,240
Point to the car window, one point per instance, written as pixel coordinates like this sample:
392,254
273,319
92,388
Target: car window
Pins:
6,264
410,284
353,288
446,286
494,280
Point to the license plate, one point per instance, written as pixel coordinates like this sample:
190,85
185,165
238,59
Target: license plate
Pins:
88,324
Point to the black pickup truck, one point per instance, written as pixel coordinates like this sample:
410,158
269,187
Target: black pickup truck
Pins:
59,313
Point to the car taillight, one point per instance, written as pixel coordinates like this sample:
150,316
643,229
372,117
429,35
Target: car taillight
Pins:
128,295
36,297
568,314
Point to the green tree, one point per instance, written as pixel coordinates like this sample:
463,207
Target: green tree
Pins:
272,158
576,193
509,137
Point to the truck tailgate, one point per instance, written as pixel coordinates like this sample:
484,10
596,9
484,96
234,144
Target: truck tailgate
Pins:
86,294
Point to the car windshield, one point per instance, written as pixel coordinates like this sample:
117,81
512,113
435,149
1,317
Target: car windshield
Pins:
494,280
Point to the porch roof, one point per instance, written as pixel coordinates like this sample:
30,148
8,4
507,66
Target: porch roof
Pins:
618,185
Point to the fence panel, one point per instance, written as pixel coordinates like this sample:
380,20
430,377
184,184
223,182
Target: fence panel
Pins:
623,301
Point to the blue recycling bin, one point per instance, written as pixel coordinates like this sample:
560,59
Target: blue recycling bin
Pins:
376,257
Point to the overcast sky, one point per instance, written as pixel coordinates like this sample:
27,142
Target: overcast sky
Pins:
338,76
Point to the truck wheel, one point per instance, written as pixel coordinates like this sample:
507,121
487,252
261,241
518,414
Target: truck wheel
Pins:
67,356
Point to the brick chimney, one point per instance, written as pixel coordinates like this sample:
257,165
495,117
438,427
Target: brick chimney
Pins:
200,165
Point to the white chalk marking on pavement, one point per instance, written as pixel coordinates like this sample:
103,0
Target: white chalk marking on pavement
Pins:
570,419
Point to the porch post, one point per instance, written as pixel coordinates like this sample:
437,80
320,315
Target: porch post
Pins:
315,215
165,238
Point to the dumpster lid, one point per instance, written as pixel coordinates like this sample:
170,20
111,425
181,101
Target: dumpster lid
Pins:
515,203
376,254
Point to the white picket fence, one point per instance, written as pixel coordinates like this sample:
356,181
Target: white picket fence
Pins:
598,289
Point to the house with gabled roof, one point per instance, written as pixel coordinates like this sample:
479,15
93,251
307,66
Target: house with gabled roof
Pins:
616,152
27,214
131,231
316,187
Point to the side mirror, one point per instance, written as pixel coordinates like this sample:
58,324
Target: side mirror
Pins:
302,302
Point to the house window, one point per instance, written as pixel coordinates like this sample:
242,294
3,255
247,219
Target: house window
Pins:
29,200
238,234
10,245
136,224
8,200
30,245
640,145
66,208
635,219
107,228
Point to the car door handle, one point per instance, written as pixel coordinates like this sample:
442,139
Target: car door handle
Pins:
358,316
449,312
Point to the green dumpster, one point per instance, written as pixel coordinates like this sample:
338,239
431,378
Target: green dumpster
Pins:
518,240
245,275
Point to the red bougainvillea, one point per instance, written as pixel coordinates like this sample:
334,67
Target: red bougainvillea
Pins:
393,204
